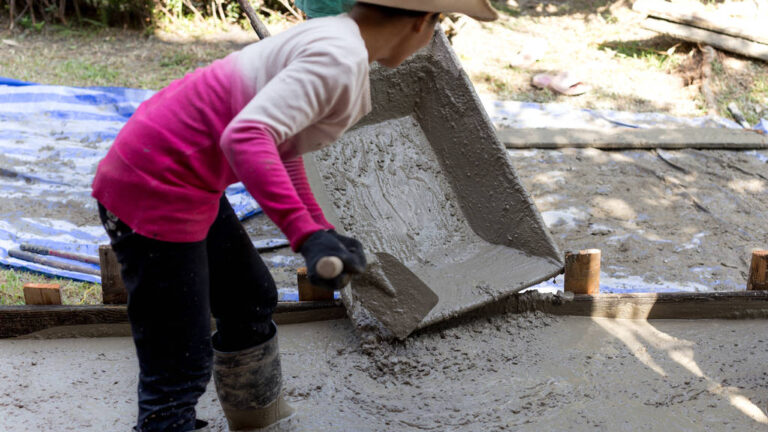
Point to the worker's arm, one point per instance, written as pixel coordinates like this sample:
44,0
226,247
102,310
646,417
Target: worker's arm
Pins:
298,175
319,87
253,156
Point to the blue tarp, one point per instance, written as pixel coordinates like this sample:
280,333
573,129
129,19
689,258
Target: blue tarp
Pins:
51,140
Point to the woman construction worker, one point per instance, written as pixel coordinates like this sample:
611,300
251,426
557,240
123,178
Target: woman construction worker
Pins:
183,253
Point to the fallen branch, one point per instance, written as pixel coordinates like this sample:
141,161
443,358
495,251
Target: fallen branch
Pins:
258,26
194,9
693,34
741,28
290,9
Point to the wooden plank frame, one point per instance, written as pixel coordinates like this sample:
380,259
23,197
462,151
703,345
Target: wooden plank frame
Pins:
633,139
23,320
676,305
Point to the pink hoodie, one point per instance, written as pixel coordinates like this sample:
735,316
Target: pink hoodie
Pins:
246,118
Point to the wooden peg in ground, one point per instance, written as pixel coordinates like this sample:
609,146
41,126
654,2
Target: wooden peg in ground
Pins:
309,292
112,286
42,294
758,271
582,271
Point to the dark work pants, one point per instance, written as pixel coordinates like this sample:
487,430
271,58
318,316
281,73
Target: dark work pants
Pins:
172,290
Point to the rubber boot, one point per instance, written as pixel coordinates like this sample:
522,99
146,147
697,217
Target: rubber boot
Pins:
249,385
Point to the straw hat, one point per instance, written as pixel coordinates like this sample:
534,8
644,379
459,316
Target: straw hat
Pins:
478,9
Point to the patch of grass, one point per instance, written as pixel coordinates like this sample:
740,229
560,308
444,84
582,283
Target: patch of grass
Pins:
73,292
634,50
609,17
80,31
82,70
26,23
717,68
502,6
759,91
179,59
747,88
497,83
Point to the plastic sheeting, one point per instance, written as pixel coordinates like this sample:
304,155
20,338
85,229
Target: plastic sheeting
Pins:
51,140
516,114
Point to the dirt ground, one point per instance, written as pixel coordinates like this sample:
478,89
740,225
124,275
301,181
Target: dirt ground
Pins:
664,220
508,372
602,42
684,219
658,224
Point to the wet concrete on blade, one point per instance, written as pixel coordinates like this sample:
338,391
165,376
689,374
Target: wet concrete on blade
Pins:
527,372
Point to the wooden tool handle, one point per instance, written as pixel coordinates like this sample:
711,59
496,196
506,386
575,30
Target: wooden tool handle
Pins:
329,267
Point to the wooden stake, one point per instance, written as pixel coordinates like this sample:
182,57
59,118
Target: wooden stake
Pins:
582,271
309,292
758,271
42,294
112,286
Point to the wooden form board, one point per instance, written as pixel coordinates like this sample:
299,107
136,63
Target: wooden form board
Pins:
634,139
683,305
22,320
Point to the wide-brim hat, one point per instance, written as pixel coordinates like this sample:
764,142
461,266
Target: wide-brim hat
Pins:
480,10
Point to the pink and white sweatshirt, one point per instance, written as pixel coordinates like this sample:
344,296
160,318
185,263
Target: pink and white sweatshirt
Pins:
248,117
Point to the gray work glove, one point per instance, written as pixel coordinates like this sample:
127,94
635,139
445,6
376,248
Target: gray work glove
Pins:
330,243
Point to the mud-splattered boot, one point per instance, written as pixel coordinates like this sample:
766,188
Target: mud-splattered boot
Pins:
249,385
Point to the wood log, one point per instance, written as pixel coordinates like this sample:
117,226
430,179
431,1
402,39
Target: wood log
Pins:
747,29
692,34
758,271
582,271
112,287
22,320
633,139
42,294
